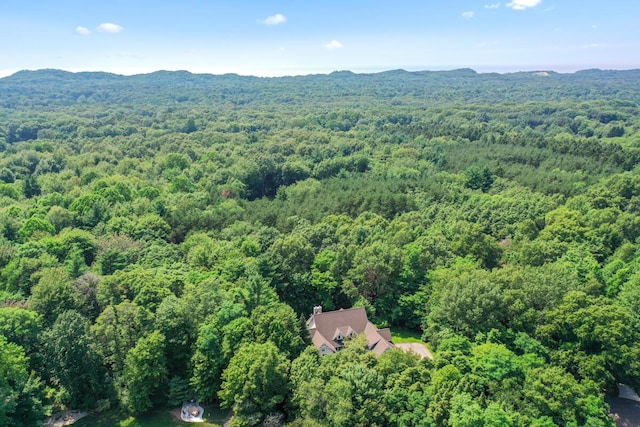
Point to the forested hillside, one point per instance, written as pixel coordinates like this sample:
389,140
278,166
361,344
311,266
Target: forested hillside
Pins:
164,236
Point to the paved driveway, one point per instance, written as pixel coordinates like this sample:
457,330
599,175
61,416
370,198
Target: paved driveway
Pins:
419,349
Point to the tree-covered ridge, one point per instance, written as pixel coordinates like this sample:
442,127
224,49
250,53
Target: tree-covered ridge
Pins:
38,89
173,229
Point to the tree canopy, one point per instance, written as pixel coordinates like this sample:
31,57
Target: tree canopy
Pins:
165,236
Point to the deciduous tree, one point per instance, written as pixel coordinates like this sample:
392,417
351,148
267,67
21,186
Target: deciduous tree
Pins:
255,383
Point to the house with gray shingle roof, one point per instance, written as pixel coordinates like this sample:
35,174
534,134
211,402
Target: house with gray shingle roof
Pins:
329,330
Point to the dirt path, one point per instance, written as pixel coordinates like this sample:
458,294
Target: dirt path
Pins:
625,412
65,418
419,349
625,409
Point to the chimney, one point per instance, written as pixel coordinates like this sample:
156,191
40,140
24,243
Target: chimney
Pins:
317,309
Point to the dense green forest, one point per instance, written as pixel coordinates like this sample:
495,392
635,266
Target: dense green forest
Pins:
164,236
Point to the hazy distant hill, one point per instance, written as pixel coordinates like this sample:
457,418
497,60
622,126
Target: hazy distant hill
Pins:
45,88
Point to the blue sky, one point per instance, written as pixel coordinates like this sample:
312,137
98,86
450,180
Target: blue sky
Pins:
269,38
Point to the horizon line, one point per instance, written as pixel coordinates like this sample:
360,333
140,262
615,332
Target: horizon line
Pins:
312,72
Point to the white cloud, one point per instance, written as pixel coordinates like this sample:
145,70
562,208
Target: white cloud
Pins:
593,45
276,19
468,14
333,44
492,6
109,27
523,4
83,31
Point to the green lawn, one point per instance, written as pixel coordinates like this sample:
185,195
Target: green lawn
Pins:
400,335
163,418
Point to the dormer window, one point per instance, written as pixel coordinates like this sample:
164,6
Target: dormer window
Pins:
330,331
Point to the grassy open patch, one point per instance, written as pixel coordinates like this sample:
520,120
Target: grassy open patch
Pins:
163,418
400,335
